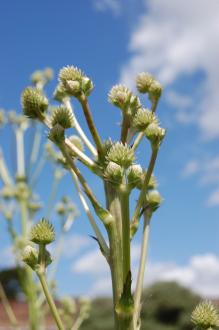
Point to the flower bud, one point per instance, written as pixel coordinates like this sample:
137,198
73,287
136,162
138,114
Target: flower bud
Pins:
114,173
154,199
87,86
143,118
205,316
30,256
75,82
143,82
119,95
155,133
2,117
42,233
34,103
134,175
48,74
57,134
62,116
7,192
121,154
155,91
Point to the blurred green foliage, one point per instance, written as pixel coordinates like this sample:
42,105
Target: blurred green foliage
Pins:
166,306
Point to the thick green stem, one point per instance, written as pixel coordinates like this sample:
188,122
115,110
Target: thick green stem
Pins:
124,199
141,270
50,300
138,140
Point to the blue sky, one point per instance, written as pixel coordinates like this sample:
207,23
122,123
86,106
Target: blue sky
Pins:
113,40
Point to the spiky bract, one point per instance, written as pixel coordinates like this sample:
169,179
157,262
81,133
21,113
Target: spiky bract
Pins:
42,233
62,116
205,316
143,118
34,103
121,154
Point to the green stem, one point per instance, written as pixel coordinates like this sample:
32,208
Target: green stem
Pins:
138,140
125,128
141,271
93,223
124,199
101,212
8,309
78,128
4,172
137,212
20,152
50,300
53,193
91,125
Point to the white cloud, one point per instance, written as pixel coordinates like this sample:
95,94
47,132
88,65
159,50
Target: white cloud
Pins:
208,171
103,5
213,199
173,38
75,243
200,273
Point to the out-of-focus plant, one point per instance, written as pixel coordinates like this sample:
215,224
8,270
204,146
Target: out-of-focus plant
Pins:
114,162
19,204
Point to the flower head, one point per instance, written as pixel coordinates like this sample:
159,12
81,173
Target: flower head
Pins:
121,154
34,103
143,82
143,118
205,316
42,233
62,116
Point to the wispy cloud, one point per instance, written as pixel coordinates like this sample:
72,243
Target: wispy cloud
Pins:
104,5
200,273
173,39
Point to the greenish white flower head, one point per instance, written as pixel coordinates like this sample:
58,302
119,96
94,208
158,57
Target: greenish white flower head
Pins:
114,173
34,103
74,82
154,199
30,256
143,82
155,91
135,174
57,134
119,95
121,154
62,116
42,233
143,118
155,133
205,316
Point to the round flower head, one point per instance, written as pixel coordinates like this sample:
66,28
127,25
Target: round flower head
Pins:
57,134
34,103
62,116
120,96
30,256
155,133
154,199
135,174
114,173
143,118
155,91
121,154
205,316
42,233
75,82
143,82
